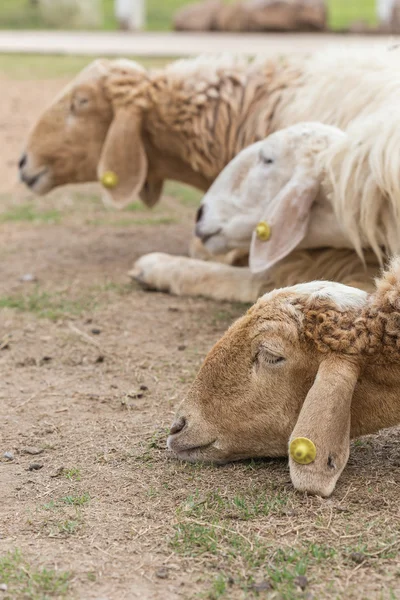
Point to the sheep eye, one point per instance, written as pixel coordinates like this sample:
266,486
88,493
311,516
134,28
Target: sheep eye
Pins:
267,161
263,356
274,360
78,103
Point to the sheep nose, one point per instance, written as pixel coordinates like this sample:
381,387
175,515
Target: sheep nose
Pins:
22,161
177,425
199,214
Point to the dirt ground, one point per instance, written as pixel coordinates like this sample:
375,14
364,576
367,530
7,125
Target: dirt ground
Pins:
92,368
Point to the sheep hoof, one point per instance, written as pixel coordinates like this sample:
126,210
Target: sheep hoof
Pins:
149,271
138,275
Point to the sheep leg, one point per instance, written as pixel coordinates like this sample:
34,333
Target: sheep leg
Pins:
237,257
184,276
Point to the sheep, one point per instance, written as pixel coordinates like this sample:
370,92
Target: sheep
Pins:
304,370
312,186
131,128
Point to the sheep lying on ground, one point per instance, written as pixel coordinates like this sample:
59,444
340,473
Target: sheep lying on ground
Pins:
132,129
312,186
310,366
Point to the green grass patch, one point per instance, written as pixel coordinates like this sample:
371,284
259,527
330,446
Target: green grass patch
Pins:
254,504
28,213
127,222
68,527
58,305
76,500
218,588
25,582
44,305
37,66
73,474
246,556
341,13
187,195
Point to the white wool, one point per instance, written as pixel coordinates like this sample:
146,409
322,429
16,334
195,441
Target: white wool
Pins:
344,296
369,77
363,172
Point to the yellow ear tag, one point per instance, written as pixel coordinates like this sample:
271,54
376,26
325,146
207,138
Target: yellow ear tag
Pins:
302,450
109,179
263,231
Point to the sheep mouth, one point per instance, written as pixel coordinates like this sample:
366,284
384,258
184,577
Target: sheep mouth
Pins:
186,452
215,242
205,238
32,181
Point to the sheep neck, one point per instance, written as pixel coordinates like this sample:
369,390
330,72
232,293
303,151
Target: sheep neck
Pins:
371,337
191,132
376,400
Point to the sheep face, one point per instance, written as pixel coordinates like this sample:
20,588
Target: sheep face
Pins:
277,181
65,145
87,133
249,393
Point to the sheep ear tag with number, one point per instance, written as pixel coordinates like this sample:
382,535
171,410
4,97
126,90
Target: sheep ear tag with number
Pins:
263,231
302,450
109,180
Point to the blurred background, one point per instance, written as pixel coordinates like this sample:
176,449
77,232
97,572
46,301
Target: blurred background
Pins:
356,16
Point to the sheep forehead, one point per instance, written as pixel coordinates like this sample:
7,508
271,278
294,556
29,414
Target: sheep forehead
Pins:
232,176
96,69
126,63
341,296
304,135
102,67
238,169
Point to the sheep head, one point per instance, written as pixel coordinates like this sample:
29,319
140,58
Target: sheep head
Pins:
93,131
277,181
280,373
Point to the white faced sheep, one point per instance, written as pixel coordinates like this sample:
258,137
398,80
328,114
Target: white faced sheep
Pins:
132,129
307,187
306,369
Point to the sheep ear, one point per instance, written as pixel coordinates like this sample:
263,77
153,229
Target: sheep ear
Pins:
151,191
287,219
320,442
122,169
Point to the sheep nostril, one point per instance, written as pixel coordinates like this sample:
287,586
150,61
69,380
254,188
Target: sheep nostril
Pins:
22,161
199,213
178,425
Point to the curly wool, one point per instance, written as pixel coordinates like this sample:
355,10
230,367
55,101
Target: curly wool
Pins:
374,332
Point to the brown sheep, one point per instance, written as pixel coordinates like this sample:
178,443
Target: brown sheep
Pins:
319,361
132,129
188,120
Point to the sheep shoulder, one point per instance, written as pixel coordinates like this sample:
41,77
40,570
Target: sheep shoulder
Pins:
217,106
